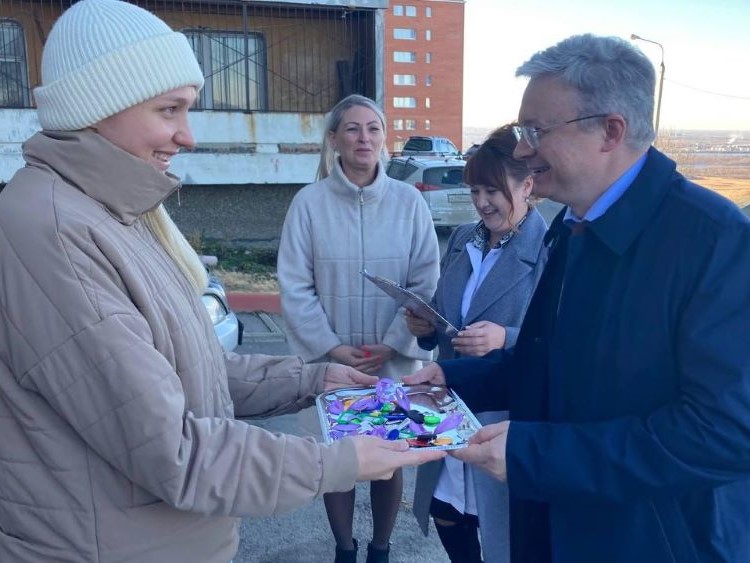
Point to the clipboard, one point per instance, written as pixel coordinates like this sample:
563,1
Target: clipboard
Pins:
414,303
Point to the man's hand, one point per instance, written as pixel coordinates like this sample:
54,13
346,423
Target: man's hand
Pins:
431,373
418,327
477,339
378,459
487,450
338,376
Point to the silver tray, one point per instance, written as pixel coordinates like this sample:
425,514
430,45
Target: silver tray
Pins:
428,400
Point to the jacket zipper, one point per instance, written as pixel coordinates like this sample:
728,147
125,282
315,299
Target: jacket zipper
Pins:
362,249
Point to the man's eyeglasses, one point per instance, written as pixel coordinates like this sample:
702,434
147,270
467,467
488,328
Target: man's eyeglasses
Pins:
532,135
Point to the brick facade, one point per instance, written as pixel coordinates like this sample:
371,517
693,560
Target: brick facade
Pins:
443,22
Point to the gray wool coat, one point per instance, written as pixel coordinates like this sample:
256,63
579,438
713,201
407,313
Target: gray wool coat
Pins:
502,298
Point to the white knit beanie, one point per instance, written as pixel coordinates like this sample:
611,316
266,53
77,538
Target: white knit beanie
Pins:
104,56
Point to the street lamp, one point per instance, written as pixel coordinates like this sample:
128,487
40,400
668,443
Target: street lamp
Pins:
635,37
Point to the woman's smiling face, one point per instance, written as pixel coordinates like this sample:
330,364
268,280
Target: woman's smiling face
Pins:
154,130
359,139
495,209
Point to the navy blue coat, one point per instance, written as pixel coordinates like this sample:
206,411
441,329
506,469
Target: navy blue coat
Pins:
629,393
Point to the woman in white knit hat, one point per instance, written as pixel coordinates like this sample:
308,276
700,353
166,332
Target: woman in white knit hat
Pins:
117,402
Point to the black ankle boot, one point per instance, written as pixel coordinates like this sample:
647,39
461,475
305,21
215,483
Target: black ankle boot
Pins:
346,555
375,555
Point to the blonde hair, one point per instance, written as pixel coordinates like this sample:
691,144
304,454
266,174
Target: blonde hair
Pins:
170,237
333,120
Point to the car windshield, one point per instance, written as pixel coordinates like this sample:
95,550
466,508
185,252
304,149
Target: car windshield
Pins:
445,176
422,145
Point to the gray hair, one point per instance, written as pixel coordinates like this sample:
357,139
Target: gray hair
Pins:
610,74
333,120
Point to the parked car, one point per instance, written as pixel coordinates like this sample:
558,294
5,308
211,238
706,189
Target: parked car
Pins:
226,324
441,182
430,146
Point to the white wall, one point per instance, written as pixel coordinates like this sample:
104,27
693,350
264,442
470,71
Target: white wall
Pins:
232,148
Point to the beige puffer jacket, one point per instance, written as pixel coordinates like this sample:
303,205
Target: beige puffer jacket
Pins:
116,401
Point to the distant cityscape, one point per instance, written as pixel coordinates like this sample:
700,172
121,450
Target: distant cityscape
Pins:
678,140
719,160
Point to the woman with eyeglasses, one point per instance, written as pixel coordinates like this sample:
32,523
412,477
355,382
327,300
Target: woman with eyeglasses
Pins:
487,277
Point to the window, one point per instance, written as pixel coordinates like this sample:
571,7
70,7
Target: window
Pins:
222,57
428,12
428,80
398,146
404,57
428,58
410,124
401,102
398,124
427,103
427,124
428,35
14,79
411,11
398,10
404,79
404,33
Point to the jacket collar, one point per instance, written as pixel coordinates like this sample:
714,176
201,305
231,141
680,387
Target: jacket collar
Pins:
623,222
518,258
344,186
125,185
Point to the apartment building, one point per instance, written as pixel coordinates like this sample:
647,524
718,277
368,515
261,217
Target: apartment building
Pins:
423,65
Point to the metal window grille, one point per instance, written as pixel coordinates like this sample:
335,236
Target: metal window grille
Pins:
257,55
233,65
14,81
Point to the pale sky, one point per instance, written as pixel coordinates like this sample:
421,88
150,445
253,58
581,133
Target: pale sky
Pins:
706,53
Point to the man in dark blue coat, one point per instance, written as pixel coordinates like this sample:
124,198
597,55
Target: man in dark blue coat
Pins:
629,385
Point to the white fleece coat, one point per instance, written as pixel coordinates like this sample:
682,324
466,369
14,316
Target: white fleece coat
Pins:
333,230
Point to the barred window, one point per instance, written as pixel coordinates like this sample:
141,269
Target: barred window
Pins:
14,77
235,77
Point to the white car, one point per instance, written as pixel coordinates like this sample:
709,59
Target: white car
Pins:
226,324
440,180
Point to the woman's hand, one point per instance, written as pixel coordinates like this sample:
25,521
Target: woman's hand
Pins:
378,458
368,359
477,339
418,327
338,376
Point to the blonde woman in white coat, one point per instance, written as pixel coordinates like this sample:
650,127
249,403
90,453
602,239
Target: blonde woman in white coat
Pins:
354,218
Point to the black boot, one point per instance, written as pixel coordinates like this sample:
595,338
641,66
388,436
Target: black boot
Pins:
346,555
375,555
461,542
